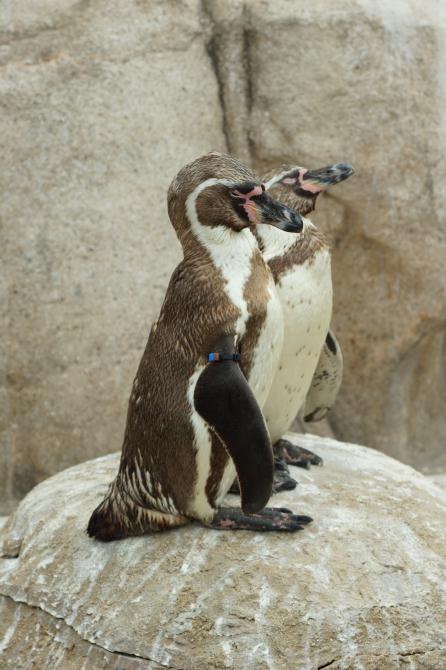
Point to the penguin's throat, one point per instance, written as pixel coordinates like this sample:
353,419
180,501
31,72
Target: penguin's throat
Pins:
225,240
274,242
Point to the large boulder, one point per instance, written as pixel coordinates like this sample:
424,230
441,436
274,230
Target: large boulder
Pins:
362,587
439,479
102,103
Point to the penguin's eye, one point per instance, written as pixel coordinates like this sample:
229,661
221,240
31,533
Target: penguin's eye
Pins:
238,196
248,190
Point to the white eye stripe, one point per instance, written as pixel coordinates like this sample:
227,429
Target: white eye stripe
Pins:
231,252
281,177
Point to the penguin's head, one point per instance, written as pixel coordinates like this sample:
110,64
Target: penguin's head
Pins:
217,191
300,187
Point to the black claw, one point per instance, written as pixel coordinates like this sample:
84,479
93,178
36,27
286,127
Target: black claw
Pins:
302,519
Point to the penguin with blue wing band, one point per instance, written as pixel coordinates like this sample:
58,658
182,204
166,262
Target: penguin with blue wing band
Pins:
194,418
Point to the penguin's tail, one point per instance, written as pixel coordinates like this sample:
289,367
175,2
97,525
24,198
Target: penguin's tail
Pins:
109,520
118,517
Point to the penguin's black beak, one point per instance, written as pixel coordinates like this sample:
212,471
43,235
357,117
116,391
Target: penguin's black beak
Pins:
309,183
327,176
252,203
275,214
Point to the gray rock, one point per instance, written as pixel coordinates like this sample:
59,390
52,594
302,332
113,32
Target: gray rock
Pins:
439,479
102,103
362,587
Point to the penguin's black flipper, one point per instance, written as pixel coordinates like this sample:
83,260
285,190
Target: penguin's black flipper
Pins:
225,401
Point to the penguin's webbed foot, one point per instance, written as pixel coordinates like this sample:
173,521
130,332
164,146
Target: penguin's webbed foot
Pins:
267,519
292,454
282,479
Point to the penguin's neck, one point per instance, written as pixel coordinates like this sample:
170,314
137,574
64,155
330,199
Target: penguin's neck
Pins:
274,242
230,251
234,253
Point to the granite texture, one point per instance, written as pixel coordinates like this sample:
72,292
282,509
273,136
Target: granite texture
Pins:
361,587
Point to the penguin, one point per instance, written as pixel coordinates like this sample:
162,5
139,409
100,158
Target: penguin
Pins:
194,419
309,373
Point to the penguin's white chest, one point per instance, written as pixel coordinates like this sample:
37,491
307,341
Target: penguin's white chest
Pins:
235,262
267,352
305,294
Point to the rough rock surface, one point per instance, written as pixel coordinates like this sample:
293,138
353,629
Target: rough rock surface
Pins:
99,111
102,102
439,480
362,587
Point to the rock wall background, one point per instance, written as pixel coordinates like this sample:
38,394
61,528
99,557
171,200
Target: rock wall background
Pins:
102,102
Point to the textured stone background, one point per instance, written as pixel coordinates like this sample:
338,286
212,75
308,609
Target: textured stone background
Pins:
103,101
